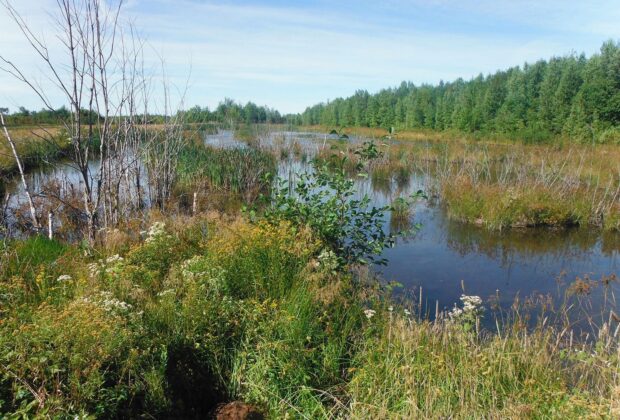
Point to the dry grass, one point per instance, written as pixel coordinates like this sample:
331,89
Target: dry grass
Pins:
508,185
34,145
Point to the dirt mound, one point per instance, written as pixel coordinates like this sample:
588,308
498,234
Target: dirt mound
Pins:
238,410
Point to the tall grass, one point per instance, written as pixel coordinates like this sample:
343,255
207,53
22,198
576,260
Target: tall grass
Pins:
207,310
413,369
501,185
235,170
34,145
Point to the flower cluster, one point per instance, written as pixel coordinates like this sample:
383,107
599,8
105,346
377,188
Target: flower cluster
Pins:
369,313
199,269
328,260
108,302
157,230
471,311
104,266
64,278
471,303
165,292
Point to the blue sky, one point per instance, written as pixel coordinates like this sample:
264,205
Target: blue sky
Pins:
291,54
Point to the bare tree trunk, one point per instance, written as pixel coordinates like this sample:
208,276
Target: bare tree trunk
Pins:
50,225
20,167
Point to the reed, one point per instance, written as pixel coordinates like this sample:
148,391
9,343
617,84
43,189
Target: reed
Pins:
501,185
237,171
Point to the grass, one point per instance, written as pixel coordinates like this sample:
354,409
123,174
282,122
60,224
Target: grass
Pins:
501,185
35,145
209,309
237,170
531,137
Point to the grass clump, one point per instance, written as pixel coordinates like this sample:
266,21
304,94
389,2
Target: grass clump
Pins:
412,369
239,171
34,146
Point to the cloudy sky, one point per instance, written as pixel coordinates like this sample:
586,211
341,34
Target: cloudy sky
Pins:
291,54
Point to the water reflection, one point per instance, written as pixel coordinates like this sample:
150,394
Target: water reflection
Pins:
443,256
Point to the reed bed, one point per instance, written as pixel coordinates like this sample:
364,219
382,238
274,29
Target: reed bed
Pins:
507,185
236,170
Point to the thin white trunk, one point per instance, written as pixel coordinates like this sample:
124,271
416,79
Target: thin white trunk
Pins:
50,225
20,167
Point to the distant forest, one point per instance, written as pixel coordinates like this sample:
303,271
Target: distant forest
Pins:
571,96
228,111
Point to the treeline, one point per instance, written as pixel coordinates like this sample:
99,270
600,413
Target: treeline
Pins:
571,96
228,111
43,117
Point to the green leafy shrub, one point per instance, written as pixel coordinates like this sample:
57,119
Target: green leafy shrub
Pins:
326,201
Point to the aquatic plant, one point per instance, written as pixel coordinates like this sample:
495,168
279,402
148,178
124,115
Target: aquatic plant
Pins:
238,170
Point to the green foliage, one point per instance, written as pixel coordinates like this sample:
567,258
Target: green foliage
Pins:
571,96
217,311
237,170
326,201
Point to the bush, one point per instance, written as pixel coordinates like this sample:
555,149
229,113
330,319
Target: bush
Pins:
325,201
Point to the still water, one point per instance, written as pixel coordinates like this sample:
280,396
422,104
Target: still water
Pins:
446,258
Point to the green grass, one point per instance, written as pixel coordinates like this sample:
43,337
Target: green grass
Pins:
207,310
232,170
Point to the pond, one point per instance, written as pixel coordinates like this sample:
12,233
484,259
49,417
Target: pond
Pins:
445,258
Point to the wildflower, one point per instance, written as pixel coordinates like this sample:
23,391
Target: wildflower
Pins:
391,308
165,292
94,269
156,230
407,312
472,304
455,313
113,259
63,278
369,313
471,311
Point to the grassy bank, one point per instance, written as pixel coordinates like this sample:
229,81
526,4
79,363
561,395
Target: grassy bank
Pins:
200,311
500,185
437,135
35,146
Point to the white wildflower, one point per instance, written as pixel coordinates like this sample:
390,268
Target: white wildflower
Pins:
108,302
64,278
391,308
369,313
471,311
165,292
113,259
156,230
455,313
328,259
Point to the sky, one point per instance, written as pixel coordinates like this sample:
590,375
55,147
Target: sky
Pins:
293,54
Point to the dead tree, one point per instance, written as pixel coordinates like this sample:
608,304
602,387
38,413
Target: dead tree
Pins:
20,167
89,79
102,78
